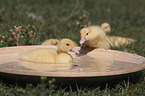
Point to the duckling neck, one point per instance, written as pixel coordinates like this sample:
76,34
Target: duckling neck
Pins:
59,52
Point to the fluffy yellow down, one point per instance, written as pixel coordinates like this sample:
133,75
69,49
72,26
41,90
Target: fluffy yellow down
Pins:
44,55
118,41
50,42
94,36
106,27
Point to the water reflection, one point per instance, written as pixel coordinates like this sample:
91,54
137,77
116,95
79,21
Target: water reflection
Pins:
89,64
82,64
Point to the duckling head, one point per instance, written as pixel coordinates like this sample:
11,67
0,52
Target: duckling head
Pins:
90,33
106,27
85,35
54,41
67,45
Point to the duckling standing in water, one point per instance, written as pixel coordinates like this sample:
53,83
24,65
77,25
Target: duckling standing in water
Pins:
44,55
94,37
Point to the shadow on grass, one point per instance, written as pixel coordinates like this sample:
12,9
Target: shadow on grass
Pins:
72,84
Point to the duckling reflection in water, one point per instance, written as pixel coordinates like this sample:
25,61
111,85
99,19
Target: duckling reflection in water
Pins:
44,55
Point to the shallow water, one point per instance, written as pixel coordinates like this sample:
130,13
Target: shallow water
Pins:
96,62
82,64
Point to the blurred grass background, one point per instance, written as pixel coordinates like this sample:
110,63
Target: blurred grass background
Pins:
64,19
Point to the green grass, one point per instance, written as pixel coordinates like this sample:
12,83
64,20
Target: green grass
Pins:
58,19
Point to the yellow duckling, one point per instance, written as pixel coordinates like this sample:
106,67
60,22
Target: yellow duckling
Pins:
116,41
94,36
50,42
106,27
44,55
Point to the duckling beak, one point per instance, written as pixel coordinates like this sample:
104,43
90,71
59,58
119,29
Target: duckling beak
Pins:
75,50
82,40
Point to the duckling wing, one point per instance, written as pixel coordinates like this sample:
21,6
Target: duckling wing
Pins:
98,42
42,55
64,58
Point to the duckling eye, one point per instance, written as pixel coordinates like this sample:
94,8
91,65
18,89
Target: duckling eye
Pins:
87,34
67,44
105,27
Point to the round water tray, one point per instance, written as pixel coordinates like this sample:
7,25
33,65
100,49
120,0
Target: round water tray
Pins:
96,63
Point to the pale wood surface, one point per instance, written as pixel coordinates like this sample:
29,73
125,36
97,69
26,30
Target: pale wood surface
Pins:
98,62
